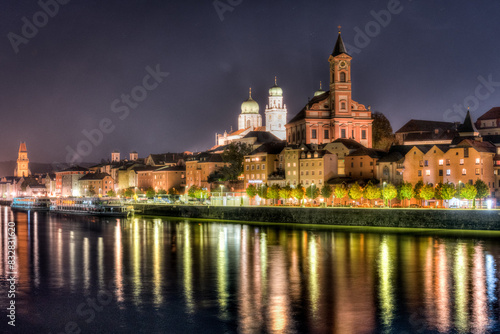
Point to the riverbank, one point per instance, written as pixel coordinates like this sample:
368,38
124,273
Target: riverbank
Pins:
485,220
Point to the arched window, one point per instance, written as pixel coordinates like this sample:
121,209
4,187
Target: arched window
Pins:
342,77
342,105
248,123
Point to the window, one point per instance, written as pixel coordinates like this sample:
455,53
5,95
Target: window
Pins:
421,163
247,167
466,152
320,172
288,172
312,173
464,171
371,163
478,161
440,172
342,77
288,165
428,172
258,167
263,166
361,164
419,173
342,133
294,172
313,134
441,162
363,134
326,134
477,171
307,172
352,164
253,167
294,164
302,173
447,162
426,163
461,161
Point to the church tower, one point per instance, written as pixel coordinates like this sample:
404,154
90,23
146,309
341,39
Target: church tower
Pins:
249,117
22,162
276,112
340,79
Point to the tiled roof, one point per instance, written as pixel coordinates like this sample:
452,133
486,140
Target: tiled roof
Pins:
270,148
349,143
94,176
262,136
480,146
316,99
425,126
493,113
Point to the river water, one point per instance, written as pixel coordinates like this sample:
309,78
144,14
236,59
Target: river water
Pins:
162,275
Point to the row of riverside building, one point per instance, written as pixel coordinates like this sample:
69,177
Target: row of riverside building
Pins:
329,141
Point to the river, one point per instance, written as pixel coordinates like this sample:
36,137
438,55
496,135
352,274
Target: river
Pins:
163,275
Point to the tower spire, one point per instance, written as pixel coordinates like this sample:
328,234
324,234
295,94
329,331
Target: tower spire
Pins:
250,93
320,86
339,46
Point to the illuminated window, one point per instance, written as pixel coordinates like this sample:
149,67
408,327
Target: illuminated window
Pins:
461,161
441,162
478,161
464,171
428,172
477,171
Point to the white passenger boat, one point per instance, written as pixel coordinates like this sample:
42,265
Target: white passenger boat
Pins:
30,204
92,206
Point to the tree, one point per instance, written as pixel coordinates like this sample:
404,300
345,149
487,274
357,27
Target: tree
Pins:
340,191
129,193
273,192
371,191
381,132
389,192
234,154
416,190
312,192
200,193
445,191
326,191
286,192
427,192
483,190
162,191
172,191
90,191
251,191
150,193
192,191
262,191
111,193
355,191
468,192
405,191
298,192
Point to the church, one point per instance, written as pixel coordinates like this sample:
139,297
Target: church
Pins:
250,118
22,168
333,114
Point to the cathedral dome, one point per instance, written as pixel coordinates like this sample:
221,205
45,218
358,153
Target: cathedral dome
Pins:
320,91
275,90
250,106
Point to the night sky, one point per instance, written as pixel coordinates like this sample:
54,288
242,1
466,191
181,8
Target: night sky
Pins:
65,79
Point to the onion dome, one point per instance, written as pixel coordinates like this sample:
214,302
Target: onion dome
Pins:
250,106
320,91
275,90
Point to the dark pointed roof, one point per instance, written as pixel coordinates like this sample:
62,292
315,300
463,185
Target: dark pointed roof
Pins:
467,126
339,47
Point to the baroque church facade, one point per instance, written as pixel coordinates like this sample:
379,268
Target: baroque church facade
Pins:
250,118
333,114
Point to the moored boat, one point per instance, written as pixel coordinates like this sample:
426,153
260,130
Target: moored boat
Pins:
92,206
30,204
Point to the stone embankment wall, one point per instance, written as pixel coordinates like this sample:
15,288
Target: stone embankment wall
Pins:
406,218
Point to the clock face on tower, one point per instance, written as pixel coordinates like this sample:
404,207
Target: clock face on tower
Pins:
343,64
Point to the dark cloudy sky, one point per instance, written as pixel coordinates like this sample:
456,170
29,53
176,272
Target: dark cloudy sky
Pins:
427,57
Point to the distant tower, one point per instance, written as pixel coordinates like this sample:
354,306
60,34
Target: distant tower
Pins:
249,117
22,162
134,156
276,112
115,156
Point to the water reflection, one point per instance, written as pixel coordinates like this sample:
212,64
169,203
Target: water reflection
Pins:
252,278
